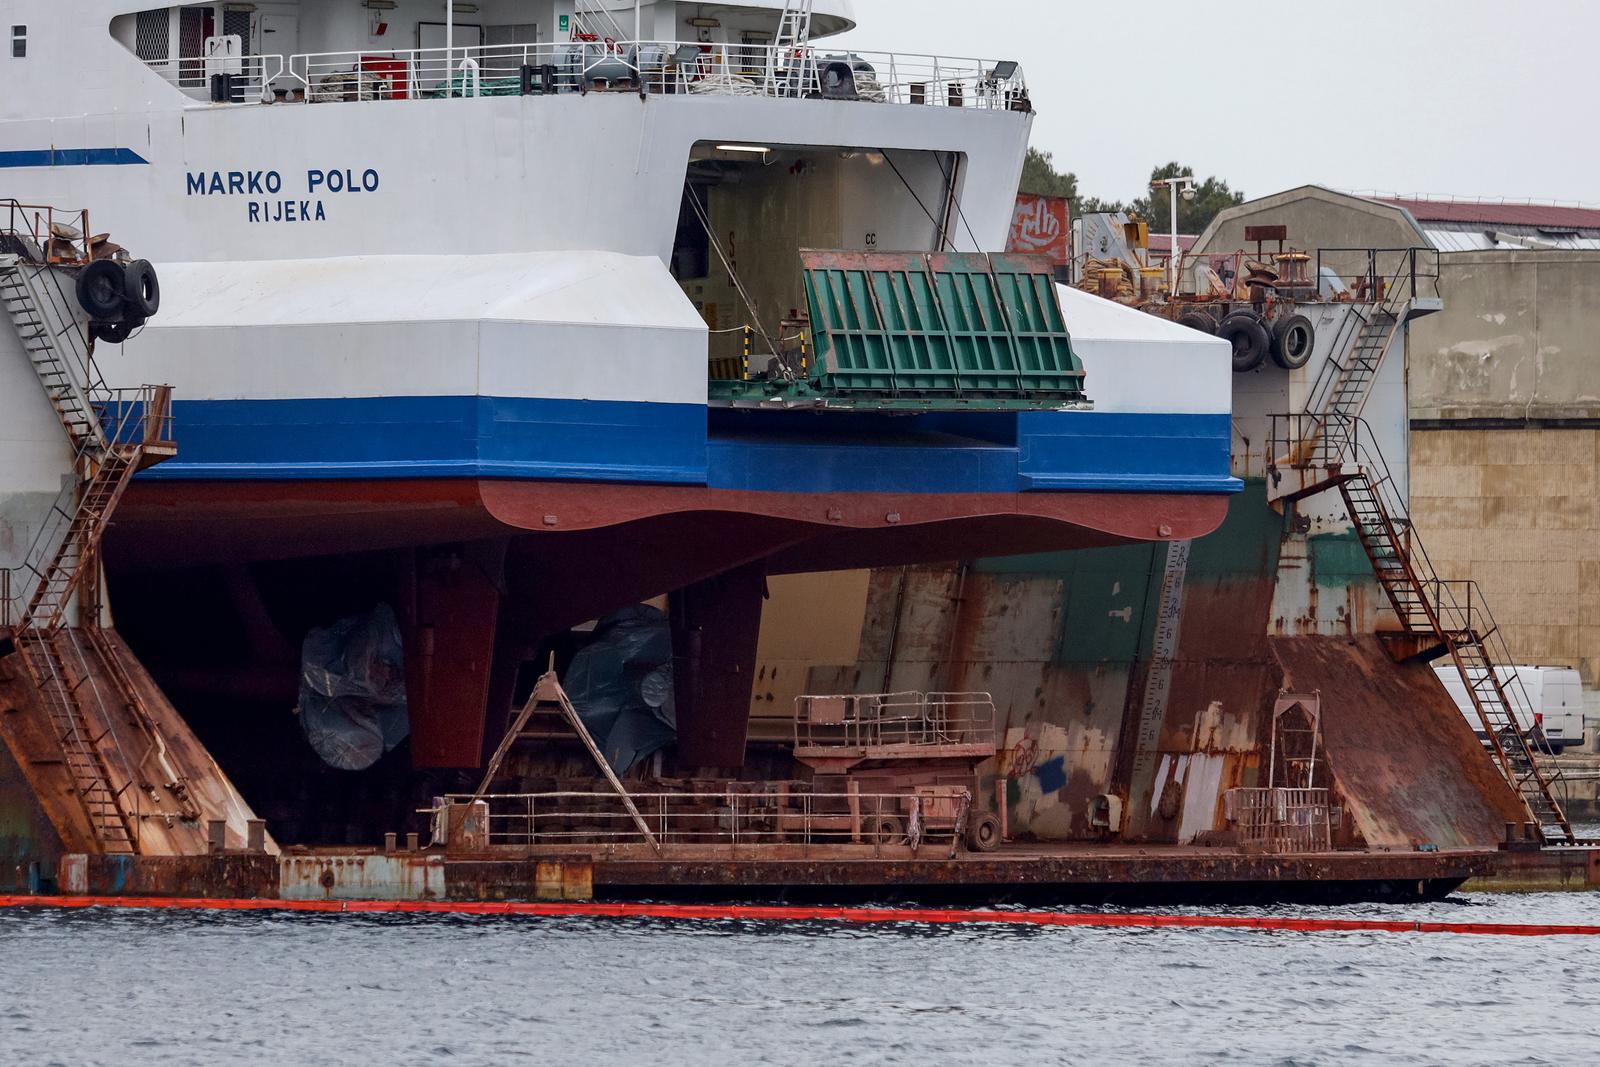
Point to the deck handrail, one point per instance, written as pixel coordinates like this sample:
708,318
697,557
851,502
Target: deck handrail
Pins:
250,84
736,814
685,67
909,719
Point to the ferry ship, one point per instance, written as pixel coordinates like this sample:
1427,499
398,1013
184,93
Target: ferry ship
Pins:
401,311
504,317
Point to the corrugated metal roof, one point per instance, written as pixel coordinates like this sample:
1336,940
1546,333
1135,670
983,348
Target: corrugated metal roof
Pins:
1479,239
1493,213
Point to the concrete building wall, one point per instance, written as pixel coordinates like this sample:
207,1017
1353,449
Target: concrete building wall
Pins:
1517,511
1519,339
1505,407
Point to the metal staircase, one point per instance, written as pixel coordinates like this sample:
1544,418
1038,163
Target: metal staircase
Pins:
113,434
791,71
81,751
1438,617
27,291
794,24
1391,285
1329,445
593,20
58,579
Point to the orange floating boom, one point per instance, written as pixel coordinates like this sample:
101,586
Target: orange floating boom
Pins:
788,913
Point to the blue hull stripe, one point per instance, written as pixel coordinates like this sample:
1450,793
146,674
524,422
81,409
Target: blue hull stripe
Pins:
616,441
73,157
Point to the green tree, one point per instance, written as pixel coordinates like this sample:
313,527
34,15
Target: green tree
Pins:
1040,178
1093,205
1210,197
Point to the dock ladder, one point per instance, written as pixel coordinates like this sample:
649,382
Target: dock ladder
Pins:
1329,445
113,434
791,71
1392,285
1438,617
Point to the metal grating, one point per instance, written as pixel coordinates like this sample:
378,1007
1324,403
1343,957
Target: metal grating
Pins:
511,33
194,26
237,23
153,35
968,325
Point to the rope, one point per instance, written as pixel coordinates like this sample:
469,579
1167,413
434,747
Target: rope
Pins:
937,225
700,213
949,177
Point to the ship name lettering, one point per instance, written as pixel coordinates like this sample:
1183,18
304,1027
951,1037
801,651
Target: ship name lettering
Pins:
287,211
342,181
233,183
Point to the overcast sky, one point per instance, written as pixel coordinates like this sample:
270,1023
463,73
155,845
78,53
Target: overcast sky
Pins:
1451,97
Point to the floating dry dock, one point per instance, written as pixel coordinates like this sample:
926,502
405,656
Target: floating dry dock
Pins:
1019,873
877,563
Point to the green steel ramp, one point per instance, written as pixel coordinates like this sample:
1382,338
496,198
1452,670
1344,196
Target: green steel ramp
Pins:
925,331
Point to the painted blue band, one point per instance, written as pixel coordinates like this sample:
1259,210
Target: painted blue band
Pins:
72,157
618,441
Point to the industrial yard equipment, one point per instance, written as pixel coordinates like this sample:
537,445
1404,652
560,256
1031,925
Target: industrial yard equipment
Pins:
924,747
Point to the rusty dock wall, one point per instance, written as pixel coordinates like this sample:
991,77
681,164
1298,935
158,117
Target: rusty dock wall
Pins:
1020,874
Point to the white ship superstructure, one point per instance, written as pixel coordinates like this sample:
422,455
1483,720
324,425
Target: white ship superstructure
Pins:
635,295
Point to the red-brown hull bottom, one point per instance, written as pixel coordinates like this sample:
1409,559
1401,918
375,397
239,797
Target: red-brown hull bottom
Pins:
483,573
166,525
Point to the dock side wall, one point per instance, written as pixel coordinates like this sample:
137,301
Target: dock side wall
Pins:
1506,438
1064,643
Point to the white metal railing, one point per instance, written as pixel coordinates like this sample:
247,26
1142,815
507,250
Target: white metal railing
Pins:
1282,820
883,720
420,73
251,75
879,77
668,67
768,813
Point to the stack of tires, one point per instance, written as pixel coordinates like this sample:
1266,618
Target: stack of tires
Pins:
1288,340
118,297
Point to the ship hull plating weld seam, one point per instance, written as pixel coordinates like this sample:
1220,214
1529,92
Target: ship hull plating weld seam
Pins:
765,913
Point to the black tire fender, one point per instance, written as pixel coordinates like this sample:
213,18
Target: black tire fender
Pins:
141,289
101,290
1199,320
983,834
887,830
114,333
1293,339
1244,331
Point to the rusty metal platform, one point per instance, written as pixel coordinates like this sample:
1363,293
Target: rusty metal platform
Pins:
1015,873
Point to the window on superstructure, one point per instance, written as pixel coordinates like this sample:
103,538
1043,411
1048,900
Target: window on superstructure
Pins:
19,42
511,33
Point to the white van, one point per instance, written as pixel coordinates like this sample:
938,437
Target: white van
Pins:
1554,693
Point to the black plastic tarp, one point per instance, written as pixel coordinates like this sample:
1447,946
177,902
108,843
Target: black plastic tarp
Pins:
353,689
621,685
